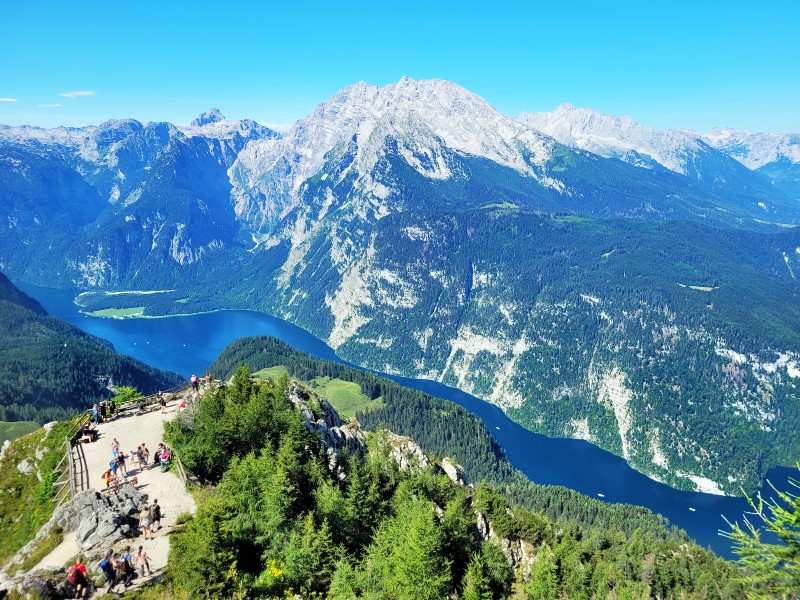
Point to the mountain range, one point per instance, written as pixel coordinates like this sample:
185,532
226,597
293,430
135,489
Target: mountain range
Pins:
593,277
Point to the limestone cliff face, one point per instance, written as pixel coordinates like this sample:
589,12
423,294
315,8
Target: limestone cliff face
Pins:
520,553
321,418
98,520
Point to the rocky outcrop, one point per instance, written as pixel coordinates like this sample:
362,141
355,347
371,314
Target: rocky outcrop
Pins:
454,471
43,583
98,520
520,554
405,452
321,418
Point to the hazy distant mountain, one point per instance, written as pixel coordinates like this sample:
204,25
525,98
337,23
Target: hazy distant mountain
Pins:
775,155
680,151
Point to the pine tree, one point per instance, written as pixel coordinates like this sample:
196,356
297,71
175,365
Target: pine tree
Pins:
544,583
772,569
476,583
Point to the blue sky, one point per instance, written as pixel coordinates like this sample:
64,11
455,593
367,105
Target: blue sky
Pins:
697,64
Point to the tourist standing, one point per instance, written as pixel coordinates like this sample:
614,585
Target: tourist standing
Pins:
145,522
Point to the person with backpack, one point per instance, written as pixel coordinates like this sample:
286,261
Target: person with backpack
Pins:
125,565
77,578
107,567
155,512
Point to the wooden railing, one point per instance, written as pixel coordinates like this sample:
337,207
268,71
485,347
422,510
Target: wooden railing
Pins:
71,475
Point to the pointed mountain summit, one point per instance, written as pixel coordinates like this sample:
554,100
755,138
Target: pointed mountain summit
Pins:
430,126
212,115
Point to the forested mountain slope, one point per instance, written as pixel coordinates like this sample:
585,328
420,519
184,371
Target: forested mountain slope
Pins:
287,516
49,368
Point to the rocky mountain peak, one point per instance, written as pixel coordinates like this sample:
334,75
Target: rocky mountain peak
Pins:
212,115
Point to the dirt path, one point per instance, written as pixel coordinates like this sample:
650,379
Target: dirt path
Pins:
173,498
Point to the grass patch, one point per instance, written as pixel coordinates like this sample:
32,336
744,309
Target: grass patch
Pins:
25,502
273,373
504,204
699,288
45,547
12,430
134,311
345,396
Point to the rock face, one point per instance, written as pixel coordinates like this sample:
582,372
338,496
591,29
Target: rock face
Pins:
44,583
520,554
321,418
454,471
101,520
98,520
405,452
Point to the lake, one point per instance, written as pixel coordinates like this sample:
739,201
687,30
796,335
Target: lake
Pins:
188,344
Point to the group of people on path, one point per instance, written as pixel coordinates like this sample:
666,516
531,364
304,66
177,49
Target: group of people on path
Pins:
118,465
104,411
120,569
149,517
123,568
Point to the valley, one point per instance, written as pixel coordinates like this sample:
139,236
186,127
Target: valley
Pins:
189,344
642,296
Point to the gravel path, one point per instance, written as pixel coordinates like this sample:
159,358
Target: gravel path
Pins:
131,430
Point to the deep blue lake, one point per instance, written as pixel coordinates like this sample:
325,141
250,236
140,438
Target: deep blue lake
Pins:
188,344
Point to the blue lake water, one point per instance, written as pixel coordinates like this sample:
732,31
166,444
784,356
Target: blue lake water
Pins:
188,344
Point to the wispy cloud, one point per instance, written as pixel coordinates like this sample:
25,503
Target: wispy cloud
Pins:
76,94
50,105
8,99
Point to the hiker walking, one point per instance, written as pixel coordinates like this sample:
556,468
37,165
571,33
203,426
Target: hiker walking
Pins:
155,512
126,566
114,448
107,567
142,560
77,577
163,402
145,522
96,415
103,410
195,383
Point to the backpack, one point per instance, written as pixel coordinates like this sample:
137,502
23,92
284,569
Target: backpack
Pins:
106,565
72,577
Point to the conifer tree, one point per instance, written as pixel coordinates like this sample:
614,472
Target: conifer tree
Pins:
772,569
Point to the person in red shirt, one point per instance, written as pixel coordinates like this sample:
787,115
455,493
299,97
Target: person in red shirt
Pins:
77,577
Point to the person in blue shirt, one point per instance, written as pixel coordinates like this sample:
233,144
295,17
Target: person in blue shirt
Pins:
96,415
